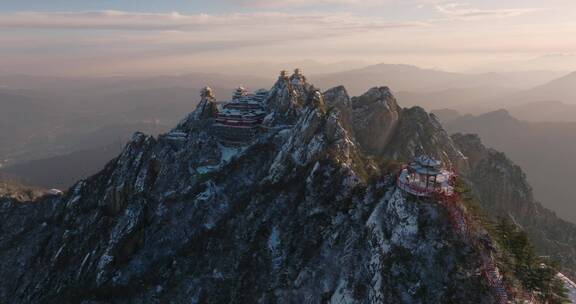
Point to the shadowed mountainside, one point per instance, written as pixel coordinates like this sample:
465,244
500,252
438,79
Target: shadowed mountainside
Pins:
546,152
503,191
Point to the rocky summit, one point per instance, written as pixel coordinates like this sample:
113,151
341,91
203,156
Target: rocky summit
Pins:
287,195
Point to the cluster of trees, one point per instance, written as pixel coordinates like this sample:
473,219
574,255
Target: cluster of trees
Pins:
518,256
535,273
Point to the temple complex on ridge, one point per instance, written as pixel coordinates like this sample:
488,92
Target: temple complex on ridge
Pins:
425,177
239,120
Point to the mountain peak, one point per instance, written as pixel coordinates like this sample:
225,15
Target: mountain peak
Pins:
377,94
500,114
337,97
206,108
285,193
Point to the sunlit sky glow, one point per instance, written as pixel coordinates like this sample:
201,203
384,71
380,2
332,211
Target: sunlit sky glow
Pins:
169,36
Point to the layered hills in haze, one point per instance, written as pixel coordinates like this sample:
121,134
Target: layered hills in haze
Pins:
468,93
43,116
544,111
546,151
561,89
408,78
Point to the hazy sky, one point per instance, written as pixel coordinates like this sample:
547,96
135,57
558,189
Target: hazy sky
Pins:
171,36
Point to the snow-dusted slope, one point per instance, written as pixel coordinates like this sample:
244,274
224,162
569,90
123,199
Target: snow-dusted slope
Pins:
300,215
570,286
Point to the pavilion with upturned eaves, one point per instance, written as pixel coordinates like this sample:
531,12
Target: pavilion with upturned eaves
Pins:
426,177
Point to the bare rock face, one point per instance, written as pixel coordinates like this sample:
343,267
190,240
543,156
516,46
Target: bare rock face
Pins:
206,108
288,97
383,129
338,99
375,116
300,215
418,132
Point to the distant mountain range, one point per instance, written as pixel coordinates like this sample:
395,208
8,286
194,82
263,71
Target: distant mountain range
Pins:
46,117
44,123
114,84
562,89
467,100
545,111
546,151
468,93
62,171
414,79
89,152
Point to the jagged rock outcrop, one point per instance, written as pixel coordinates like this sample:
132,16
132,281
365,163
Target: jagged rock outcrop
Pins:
287,98
385,130
418,132
502,189
300,215
202,117
206,108
375,116
338,99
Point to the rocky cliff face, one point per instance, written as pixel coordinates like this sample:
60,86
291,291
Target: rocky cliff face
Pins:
300,215
384,130
207,106
287,98
503,191
375,117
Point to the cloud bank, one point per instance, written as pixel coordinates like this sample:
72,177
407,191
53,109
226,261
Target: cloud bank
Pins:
432,33
118,20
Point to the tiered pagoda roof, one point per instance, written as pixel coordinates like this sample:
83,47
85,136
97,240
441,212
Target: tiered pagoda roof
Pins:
426,165
244,110
239,119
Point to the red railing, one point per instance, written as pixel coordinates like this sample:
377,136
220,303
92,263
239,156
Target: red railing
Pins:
435,192
495,281
459,223
234,123
414,189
